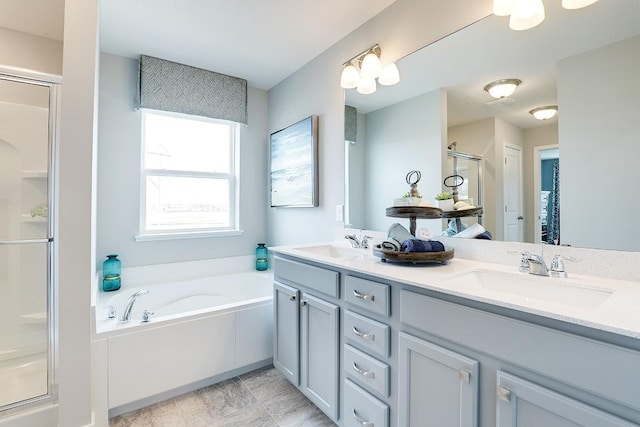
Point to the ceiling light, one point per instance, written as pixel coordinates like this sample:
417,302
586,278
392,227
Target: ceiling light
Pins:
389,75
350,77
502,88
361,71
526,14
577,4
544,113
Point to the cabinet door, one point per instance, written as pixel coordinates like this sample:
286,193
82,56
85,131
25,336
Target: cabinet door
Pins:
436,386
286,328
319,353
522,403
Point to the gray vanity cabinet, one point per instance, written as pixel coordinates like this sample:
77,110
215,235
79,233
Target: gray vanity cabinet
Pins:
523,403
437,387
306,331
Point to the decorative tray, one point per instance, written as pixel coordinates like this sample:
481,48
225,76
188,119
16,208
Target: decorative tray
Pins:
462,213
413,257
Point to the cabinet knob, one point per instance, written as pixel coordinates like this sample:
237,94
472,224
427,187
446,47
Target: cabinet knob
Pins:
303,303
292,298
361,421
504,394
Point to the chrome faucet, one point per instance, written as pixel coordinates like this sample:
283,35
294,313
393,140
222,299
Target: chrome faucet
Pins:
126,314
536,264
356,243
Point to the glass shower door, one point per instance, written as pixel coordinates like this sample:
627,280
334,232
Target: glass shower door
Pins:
26,241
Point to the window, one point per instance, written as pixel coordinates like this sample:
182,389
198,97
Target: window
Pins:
188,183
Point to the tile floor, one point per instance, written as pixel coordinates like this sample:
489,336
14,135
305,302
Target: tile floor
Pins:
262,398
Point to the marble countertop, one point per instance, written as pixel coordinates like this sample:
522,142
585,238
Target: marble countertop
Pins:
618,313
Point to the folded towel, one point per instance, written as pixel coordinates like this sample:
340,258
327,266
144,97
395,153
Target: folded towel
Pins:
484,236
398,232
424,234
471,231
390,244
417,245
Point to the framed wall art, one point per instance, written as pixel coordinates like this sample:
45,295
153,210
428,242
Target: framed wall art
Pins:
293,166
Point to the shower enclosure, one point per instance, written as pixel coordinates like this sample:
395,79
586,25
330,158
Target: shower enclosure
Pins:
28,105
469,166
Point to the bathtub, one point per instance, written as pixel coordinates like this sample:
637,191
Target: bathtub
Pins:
202,331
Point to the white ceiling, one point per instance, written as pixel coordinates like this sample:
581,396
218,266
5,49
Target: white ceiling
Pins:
263,41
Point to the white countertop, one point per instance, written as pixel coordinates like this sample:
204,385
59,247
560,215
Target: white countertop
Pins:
619,313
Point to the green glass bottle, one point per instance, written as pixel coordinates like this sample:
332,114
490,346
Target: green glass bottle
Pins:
111,273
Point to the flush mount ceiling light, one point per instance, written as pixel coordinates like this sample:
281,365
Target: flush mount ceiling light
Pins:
362,70
544,113
526,14
502,88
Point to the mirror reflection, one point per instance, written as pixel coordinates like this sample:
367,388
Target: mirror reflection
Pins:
543,180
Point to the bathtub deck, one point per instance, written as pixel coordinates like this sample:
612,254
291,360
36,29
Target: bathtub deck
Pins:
259,398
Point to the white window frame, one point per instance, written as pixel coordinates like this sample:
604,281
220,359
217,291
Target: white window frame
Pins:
232,176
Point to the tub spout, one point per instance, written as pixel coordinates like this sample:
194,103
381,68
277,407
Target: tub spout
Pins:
126,314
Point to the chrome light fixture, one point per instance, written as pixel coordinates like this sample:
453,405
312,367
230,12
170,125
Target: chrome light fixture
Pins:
362,70
502,88
544,113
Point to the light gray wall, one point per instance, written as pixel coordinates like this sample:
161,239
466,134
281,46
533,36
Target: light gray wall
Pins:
119,133
479,138
534,137
400,29
403,137
601,161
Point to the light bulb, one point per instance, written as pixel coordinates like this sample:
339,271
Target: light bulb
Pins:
389,75
502,7
371,66
544,113
366,85
526,14
349,77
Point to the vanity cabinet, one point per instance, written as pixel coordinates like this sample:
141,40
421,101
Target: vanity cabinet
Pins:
437,387
306,332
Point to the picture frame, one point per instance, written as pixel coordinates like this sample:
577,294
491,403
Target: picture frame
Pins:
293,165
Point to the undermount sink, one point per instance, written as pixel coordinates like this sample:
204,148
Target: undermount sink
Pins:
563,291
332,251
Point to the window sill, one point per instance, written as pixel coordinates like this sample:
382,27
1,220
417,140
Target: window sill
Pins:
149,237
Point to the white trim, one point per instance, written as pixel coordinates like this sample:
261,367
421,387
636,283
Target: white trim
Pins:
27,73
537,176
149,237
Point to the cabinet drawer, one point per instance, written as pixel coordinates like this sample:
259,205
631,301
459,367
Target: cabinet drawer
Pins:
362,409
369,295
297,273
366,371
367,333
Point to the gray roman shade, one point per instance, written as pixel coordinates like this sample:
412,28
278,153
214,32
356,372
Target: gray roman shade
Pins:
350,123
169,86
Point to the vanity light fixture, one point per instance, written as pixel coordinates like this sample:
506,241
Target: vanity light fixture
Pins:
526,14
362,70
502,88
544,113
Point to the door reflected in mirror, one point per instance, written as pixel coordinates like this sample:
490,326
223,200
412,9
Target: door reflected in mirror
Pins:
582,61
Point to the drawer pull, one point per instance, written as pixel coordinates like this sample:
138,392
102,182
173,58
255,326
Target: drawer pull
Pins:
364,335
365,297
504,394
366,374
362,421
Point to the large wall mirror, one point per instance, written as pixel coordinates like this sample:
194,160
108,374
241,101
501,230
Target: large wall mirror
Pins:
580,167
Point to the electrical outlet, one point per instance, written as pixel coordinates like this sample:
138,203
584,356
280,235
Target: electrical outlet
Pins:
339,212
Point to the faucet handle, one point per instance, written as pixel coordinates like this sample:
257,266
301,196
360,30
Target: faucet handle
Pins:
365,241
557,265
524,262
111,312
146,316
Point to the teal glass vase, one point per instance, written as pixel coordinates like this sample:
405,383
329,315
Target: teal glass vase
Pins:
262,257
111,273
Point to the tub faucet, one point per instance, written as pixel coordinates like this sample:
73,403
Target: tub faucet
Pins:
126,314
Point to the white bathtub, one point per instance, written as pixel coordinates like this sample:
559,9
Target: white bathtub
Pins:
203,330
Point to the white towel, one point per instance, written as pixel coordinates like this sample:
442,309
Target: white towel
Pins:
424,234
471,231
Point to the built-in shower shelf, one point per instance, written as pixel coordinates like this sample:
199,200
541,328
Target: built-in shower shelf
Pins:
38,317
34,219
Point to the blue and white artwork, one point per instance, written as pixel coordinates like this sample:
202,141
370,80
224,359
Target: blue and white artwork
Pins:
293,169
